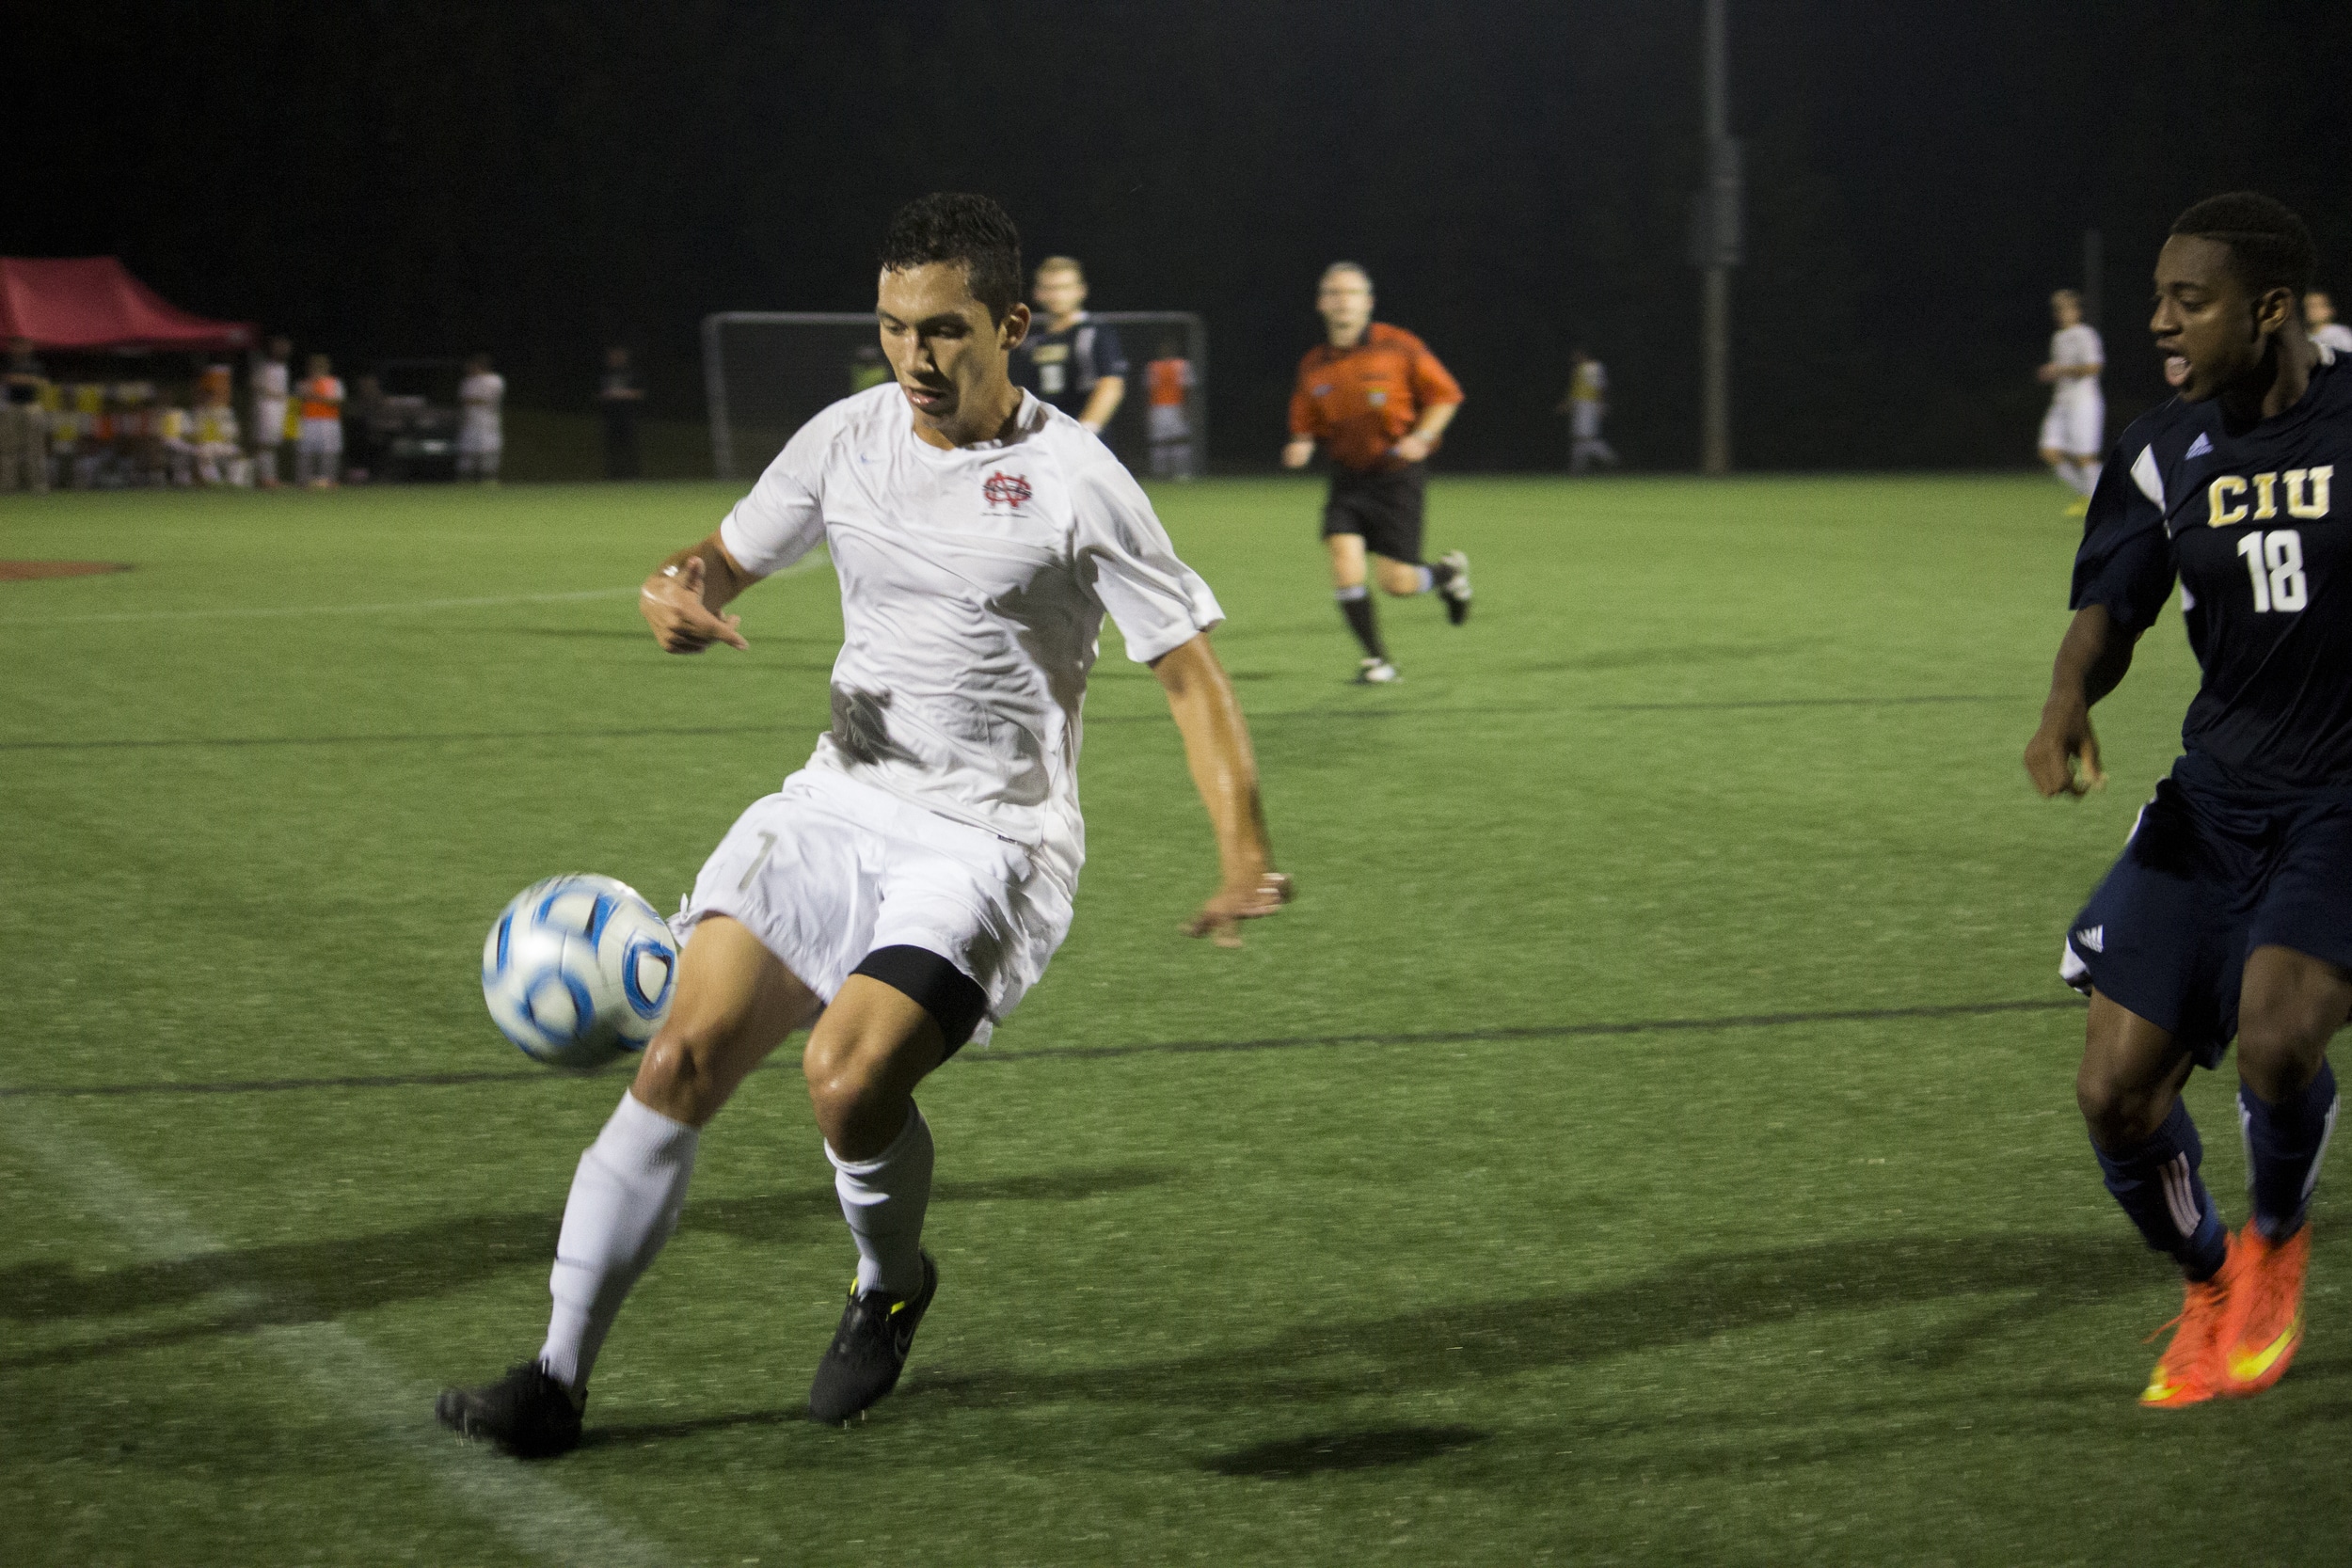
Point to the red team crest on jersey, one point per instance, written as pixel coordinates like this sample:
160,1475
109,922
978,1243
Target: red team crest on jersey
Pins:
1003,489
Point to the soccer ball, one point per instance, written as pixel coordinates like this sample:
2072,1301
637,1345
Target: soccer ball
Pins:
579,970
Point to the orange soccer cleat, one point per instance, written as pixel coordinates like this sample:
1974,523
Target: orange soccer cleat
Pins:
2265,1316
2191,1369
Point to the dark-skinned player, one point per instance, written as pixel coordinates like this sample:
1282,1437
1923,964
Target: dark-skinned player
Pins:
2230,912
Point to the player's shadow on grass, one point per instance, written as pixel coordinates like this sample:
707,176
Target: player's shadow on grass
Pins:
300,1282
1690,1300
1373,1449
1662,655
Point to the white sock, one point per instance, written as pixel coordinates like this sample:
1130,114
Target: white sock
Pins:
883,1199
2089,470
1428,580
2068,475
624,1201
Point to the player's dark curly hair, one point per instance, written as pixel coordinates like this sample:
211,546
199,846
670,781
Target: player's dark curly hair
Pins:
2270,246
950,226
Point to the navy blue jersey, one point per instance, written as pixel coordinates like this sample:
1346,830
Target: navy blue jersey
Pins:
2247,522
1062,366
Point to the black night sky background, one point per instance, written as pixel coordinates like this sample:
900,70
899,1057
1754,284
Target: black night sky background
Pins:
376,176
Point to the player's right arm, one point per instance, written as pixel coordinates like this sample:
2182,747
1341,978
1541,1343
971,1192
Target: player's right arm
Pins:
682,599
2123,575
2063,756
1306,421
777,524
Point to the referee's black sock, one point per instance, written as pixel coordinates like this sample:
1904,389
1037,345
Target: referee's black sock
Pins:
1355,603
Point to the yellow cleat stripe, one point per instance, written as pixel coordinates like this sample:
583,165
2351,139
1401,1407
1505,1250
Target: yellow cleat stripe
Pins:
2248,1367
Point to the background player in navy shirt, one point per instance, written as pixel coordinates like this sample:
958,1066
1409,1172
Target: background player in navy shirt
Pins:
1069,359
2231,910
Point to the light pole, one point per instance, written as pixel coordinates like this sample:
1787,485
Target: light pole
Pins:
1715,224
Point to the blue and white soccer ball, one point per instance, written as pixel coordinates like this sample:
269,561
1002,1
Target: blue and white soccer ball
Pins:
579,970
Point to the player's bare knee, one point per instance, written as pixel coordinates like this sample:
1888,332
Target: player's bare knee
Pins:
2118,1112
678,1076
2279,1049
848,1091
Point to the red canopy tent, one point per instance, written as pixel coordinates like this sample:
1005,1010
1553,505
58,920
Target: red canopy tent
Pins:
92,302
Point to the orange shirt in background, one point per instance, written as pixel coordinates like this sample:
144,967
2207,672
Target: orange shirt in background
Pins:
1360,401
1168,379
321,398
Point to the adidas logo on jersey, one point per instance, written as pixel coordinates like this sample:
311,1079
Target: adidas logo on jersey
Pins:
2091,939
2232,498
2201,447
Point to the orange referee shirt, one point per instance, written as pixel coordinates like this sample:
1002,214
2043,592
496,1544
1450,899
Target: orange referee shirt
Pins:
1360,401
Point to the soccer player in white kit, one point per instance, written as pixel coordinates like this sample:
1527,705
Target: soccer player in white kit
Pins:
2074,431
2320,323
271,382
481,430
901,892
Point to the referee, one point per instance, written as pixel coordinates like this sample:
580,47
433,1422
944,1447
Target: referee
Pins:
1378,401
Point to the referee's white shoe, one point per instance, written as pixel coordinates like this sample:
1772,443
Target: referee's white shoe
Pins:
1375,672
1457,588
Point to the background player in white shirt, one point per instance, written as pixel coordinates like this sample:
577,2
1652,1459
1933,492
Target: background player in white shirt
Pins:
272,379
2320,323
2074,431
903,890
481,430
1586,404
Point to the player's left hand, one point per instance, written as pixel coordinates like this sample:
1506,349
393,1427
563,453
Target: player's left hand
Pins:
1414,448
1220,918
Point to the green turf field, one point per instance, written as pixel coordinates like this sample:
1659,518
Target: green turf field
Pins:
1650,1138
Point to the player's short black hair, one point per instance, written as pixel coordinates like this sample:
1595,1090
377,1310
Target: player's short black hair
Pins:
2270,246
952,226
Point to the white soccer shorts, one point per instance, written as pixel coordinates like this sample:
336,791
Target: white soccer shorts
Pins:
1166,421
320,436
2076,425
827,869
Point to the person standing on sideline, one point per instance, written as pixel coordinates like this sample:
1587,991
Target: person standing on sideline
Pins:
2075,428
619,401
271,382
1069,359
1168,419
1379,402
24,421
2320,323
481,427
1585,404
319,439
897,895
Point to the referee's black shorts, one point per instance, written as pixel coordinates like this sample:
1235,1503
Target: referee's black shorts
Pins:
1383,505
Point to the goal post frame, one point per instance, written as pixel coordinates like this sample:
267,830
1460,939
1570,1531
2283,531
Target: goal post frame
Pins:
715,384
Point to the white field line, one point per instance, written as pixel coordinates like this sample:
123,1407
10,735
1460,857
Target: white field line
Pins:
537,1515
391,607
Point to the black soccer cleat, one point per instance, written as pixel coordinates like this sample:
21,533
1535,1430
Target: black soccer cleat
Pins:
527,1413
868,1350
1456,591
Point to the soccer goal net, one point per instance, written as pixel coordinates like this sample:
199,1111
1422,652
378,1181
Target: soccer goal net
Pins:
766,373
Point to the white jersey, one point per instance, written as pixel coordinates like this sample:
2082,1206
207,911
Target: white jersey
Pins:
269,381
2076,345
481,397
2334,336
974,584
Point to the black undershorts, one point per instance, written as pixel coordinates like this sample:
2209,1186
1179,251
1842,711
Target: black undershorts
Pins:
1384,506
955,1000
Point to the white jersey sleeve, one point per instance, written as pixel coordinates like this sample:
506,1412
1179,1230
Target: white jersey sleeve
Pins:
2078,345
1125,560
783,518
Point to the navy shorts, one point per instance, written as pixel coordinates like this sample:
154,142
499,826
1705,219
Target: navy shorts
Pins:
2212,872
1384,505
